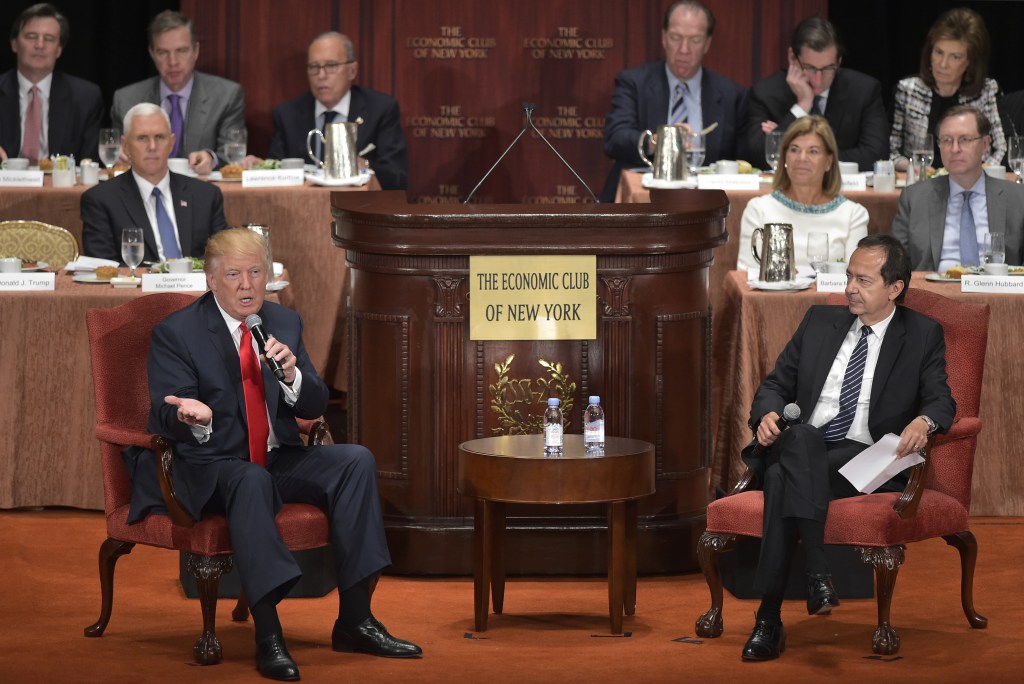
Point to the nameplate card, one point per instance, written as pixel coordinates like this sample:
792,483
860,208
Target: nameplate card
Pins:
987,283
171,282
21,179
854,181
272,177
24,282
728,181
831,282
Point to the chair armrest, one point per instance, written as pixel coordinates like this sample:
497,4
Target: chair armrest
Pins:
906,506
746,482
164,450
961,428
317,431
113,434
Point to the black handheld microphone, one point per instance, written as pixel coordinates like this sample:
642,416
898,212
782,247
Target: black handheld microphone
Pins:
790,416
255,325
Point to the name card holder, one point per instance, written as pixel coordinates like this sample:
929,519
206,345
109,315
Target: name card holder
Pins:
854,181
728,181
987,283
26,282
21,179
830,282
266,178
173,282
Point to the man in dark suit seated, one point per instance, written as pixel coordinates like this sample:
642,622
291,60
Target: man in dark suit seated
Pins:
676,90
943,221
238,450
333,97
203,108
177,214
814,83
43,111
858,372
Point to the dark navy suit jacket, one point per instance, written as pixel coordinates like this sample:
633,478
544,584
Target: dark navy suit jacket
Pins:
113,205
76,109
382,126
640,103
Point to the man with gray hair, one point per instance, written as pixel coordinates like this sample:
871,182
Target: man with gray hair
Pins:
813,83
177,214
202,108
333,98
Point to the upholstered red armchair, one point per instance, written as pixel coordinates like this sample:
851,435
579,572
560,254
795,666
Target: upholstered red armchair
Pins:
119,345
935,503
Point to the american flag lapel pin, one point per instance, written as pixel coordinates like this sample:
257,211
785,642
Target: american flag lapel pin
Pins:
183,203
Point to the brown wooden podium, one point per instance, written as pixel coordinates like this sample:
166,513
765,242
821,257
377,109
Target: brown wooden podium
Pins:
418,386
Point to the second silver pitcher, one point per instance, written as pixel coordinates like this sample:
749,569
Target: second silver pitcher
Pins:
776,255
339,142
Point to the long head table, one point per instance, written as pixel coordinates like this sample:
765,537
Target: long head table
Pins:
751,328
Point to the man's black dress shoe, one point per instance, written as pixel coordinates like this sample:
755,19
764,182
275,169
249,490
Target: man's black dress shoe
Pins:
821,595
369,636
273,660
766,642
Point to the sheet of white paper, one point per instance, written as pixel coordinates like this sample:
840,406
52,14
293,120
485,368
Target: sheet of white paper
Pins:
876,465
85,263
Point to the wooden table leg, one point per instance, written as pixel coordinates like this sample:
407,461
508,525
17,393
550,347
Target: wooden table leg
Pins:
616,562
496,522
482,540
629,588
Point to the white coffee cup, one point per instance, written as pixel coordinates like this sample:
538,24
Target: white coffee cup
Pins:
90,173
996,269
848,168
63,179
178,165
727,166
995,171
292,163
10,265
16,164
182,265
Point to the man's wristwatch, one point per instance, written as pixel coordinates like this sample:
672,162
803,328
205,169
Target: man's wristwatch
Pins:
932,427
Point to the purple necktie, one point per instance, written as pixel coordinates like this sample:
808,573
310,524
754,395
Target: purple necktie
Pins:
177,124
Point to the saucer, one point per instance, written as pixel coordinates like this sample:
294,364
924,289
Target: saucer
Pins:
650,182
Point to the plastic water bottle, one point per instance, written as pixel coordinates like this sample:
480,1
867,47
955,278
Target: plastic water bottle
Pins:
553,428
593,426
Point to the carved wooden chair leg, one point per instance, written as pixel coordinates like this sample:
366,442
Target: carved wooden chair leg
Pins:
110,551
710,546
207,571
967,545
240,613
886,561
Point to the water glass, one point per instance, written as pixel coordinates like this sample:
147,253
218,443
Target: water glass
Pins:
771,148
132,248
234,146
817,250
694,152
109,146
993,250
1015,156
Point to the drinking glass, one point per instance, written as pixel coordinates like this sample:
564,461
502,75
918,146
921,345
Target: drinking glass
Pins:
694,152
993,251
110,147
771,148
817,250
922,156
234,146
1015,156
132,248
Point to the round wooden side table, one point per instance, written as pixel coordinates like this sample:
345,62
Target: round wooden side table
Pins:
514,469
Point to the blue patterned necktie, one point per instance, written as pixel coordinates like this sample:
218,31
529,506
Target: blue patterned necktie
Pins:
968,235
837,428
679,113
177,123
168,238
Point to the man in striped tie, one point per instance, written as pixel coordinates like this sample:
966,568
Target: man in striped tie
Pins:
858,372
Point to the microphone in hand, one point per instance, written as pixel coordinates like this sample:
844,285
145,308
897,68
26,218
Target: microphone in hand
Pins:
255,325
790,416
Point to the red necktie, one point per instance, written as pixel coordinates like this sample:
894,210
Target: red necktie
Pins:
255,400
33,126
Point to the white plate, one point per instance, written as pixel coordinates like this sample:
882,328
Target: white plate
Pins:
277,285
362,179
40,265
89,278
939,278
780,286
218,177
650,182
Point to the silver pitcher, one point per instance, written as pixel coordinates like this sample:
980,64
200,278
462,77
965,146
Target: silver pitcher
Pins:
669,153
339,141
776,257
